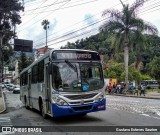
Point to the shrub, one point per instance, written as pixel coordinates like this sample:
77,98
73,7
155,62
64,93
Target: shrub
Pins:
148,87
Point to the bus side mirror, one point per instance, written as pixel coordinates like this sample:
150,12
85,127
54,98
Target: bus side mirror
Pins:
50,69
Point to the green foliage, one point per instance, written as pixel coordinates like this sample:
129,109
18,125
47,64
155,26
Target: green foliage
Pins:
45,24
23,62
149,87
127,31
145,77
113,69
9,18
116,70
154,68
135,74
7,52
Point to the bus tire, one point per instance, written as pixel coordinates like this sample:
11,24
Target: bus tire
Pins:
25,102
42,110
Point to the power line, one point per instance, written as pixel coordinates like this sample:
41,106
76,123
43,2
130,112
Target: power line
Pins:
56,10
59,8
31,3
36,14
152,7
41,12
72,32
46,15
68,35
95,29
75,31
65,35
77,23
52,5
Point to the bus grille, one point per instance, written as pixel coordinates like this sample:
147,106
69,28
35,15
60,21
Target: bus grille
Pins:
85,96
83,108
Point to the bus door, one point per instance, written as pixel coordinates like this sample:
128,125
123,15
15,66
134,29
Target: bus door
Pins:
48,91
29,89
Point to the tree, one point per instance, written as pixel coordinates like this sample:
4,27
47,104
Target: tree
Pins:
154,68
124,24
140,43
23,62
45,24
9,18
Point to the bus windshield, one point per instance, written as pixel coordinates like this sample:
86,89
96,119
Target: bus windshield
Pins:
91,76
76,77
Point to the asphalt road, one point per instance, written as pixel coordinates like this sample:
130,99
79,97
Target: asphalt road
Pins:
121,111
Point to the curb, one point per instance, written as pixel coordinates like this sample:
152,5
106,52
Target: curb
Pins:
135,96
4,105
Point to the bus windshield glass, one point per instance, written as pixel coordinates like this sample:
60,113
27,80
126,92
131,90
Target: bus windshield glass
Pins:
91,76
76,77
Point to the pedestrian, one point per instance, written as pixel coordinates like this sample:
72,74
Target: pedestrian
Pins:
118,88
122,88
109,88
114,88
131,89
136,91
142,90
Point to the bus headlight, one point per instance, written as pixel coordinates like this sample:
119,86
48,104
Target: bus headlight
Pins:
100,97
59,101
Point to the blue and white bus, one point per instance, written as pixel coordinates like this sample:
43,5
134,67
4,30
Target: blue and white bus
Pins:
151,83
64,82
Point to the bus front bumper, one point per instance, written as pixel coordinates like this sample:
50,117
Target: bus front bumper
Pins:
58,111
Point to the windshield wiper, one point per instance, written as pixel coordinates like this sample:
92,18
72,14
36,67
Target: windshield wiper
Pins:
71,65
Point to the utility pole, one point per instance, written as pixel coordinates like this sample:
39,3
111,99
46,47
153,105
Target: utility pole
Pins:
1,57
1,72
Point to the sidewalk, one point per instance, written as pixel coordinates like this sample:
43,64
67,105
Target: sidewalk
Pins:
2,102
149,95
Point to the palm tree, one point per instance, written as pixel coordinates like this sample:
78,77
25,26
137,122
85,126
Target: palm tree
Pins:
123,25
45,24
139,45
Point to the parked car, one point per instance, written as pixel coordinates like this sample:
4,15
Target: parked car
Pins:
2,85
10,86
16,89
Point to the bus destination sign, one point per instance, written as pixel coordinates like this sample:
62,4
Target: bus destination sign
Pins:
77,55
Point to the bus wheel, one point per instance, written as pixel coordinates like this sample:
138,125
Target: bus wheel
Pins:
43,111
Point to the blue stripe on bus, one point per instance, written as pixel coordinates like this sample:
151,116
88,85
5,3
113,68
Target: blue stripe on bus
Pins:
58,111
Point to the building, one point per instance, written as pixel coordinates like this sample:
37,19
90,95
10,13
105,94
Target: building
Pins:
40,52
7,75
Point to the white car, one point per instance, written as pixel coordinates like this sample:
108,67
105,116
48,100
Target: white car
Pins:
16,89
10,87
2,85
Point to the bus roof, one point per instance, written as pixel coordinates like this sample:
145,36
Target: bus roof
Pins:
50,52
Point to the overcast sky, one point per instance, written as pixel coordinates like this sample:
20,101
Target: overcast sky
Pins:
73,19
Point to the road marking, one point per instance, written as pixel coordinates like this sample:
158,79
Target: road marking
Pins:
150,116
145,115
5,122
